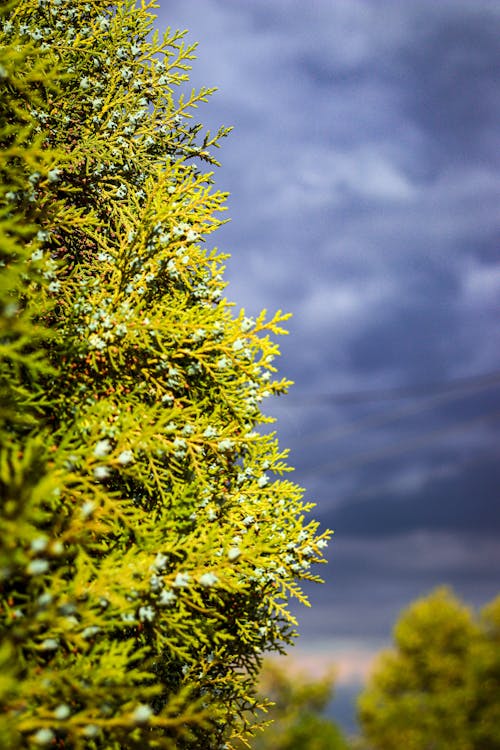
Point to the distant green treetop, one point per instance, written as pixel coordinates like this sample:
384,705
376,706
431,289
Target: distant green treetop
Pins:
296,715
439,689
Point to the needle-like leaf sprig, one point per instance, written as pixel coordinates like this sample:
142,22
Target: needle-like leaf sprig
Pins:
150,538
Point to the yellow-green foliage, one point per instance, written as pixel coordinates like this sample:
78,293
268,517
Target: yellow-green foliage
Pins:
296,715
440,687
149,539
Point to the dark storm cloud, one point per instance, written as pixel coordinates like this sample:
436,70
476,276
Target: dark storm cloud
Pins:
465,501
369,581
424,463
364,178
406,337
452,78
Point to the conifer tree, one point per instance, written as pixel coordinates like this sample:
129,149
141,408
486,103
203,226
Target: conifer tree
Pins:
297,716
150,539
440,686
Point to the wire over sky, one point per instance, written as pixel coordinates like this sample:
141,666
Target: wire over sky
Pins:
415,390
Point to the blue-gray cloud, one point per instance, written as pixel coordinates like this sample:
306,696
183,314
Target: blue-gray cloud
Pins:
364,178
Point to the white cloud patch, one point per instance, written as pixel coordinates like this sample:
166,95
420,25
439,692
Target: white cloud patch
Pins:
338,307
327,178
482,286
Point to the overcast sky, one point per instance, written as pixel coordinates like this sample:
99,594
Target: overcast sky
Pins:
364,178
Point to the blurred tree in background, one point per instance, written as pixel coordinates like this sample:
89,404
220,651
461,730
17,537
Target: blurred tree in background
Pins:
439,689
297,716
149,538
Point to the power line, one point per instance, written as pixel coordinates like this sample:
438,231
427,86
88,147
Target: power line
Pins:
377,488
415,390
401,447
380,420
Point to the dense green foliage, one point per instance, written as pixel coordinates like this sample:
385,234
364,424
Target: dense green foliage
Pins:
149,540
297,713
440,688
